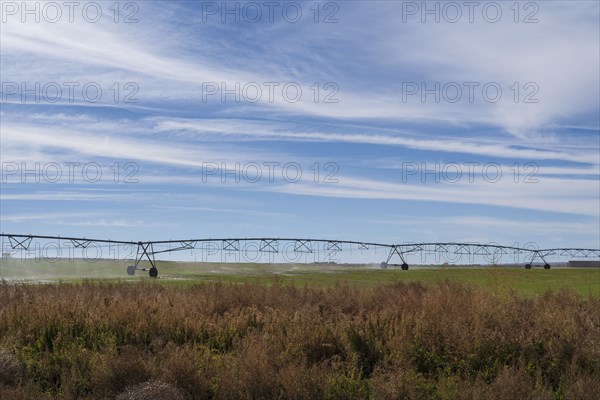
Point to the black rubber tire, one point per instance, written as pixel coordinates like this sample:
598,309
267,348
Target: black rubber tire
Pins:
131,270
383,265
153,272
527,266
404,266
546,266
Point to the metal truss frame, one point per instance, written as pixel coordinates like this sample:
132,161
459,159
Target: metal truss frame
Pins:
269,246
146,252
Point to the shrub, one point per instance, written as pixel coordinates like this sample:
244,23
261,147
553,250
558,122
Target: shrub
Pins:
152,390
222,341
9,368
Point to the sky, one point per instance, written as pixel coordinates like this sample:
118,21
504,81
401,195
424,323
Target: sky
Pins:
380,121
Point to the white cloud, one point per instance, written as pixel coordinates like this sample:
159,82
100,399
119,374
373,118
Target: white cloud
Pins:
563,62
456,145
550,194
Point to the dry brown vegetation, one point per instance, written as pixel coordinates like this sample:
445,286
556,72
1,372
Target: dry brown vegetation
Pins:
224,341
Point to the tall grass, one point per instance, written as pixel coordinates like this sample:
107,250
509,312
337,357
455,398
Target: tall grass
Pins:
219,341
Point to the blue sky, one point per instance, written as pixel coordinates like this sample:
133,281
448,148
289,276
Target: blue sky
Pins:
372,131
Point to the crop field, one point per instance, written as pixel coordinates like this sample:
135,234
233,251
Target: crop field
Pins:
582,281
299,332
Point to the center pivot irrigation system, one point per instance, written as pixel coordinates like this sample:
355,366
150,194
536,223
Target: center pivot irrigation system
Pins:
145,250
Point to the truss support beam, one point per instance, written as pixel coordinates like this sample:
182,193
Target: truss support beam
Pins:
144,250
20,242
333,246
482,251
536,254
395,250
463,249
303,246
83,244
231,245
441,248
269,246
188,245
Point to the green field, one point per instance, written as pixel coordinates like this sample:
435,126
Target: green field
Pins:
583,281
